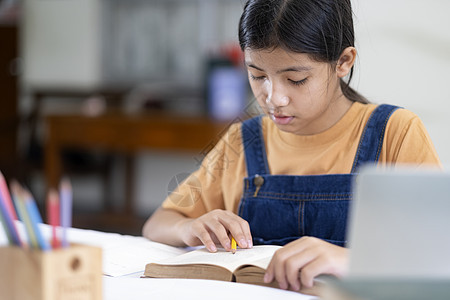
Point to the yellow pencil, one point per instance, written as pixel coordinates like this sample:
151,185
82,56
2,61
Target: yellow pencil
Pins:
233,245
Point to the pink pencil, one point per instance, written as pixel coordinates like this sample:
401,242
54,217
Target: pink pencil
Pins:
53,216
7,197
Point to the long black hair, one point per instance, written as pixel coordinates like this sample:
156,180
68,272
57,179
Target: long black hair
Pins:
320,28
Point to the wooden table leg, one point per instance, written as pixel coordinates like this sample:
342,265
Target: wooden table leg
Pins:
129,186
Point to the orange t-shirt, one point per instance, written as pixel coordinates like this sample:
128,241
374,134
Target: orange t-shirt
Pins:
218,183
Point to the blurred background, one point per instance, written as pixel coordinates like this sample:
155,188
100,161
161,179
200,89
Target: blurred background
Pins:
126,97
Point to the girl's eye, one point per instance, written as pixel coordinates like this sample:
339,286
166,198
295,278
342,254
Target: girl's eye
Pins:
256,77
299,82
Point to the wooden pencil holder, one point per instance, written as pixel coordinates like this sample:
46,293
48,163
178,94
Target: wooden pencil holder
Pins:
61,274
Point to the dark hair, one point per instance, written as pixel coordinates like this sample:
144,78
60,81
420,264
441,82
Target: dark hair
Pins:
319,28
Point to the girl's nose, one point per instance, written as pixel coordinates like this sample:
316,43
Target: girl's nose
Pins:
276,98
279,101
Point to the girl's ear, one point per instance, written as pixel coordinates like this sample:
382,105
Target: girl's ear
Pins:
346,61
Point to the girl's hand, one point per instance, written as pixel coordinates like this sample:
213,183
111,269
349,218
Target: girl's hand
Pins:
311,257
217,226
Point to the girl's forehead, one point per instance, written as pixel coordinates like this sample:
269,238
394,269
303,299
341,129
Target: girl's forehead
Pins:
277,57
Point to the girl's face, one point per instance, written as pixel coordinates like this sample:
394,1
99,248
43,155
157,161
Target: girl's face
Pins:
302,96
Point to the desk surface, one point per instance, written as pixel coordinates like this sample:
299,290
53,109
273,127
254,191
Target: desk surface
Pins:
186,289
122,253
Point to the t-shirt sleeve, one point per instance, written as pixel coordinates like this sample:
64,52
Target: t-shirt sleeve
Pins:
408,142
202,191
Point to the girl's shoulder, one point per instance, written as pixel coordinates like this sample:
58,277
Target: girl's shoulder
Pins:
232,131
400,116
402,123
231,138
404,117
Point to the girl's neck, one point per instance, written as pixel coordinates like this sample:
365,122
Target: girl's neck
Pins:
333,113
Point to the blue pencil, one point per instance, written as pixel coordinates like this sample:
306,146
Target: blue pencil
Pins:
17,193
30,196
5,228
34,216
8,223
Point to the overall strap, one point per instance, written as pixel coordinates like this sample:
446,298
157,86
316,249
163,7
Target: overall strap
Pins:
254,147
369,147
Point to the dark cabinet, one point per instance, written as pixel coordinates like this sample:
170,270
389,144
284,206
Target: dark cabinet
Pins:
9,119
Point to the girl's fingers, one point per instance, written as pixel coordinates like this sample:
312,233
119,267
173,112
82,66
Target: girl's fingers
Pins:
278,268
306,254
311,260
297,262
220,232
240,232
217,226
238,228
276,265
245,227
199,230
312,270
269,277
205,238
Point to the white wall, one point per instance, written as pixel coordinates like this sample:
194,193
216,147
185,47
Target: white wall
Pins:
61,43
404,59
155,172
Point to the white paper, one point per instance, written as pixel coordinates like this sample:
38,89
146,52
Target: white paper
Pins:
122,254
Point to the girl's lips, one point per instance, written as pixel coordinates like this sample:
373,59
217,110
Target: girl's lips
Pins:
282,120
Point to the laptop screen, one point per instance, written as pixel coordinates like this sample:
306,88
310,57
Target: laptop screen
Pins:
399,224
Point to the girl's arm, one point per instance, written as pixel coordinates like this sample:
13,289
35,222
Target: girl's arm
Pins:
171,227
163,226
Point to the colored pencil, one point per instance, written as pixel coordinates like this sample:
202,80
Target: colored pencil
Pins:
8,221
5,228
4,192
35,217
18,197
8,213
53,212
66,209
233,245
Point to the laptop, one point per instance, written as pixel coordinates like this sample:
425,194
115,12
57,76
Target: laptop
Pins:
399,236
399,224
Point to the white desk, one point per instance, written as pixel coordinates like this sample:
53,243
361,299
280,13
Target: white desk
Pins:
125,257
117,288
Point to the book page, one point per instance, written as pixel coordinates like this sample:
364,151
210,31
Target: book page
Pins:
133,253
262,263
227,260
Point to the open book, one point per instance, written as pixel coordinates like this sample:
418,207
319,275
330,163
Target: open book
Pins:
245,266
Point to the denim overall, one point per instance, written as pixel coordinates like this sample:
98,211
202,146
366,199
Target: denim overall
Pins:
283,208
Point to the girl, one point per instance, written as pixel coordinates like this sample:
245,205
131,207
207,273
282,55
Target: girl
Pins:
285,178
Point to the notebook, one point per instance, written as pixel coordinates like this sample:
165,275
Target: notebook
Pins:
400,224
